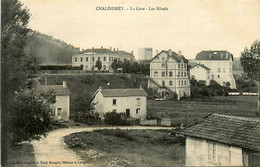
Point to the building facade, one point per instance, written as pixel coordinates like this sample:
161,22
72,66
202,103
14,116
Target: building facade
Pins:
200,73
220,64
145,54
61,107
223,140
132,102
89,57
169,73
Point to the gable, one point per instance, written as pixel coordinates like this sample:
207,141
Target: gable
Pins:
161,57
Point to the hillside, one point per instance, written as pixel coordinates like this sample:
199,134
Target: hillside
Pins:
46,49
88,84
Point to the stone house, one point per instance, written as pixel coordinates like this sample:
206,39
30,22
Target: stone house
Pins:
132,102
200,73
223,140
169,73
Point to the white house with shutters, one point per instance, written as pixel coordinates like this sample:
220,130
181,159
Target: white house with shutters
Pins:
132,102
220,64
169,73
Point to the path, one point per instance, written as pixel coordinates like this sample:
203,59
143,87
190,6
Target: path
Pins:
52,151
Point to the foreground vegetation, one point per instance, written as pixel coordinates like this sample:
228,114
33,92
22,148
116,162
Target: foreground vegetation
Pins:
128,147
190,111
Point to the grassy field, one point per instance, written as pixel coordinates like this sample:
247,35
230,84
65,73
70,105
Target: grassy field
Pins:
142,148
189,111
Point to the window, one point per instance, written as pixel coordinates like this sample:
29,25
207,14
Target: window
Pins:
114,101
137,110
181,82
185,82
208,77
86,59
155,74
93,58
109,58
178,74
208,71
76,59
86,67
81,59
170,74
219,69
170,83
185,66
179,66
163,58
163,83
98,58
59,111
104,67
138,101
184,74
224,70
163,65
114,110
218,76
181,74
52,113
212,151
163,74
104,58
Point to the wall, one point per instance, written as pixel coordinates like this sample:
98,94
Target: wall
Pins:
99,104
64,103
200,73
197,154
124,103
151,122
225,74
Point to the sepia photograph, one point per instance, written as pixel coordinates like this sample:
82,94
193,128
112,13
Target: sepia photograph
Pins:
130,83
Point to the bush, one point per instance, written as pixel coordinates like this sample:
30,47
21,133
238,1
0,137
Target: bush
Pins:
113,118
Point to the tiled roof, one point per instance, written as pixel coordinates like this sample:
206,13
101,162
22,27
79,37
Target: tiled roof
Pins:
104,50
237,131
214,55
123,92
201,65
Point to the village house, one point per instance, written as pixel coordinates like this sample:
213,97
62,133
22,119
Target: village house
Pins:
201,73
89,57
169,73
132,102
222,140
220,65
61,107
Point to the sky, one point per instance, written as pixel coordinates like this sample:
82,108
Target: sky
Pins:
189,26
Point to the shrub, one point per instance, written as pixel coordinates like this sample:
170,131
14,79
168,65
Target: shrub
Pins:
113,118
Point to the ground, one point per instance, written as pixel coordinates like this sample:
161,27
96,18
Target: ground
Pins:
190,111
127,148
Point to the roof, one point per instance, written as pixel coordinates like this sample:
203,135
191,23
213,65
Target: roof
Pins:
214,55
243,132
58,89
173,55
123,92
201,65
104,50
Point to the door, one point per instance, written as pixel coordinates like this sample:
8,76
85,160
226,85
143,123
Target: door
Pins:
59,112
127,112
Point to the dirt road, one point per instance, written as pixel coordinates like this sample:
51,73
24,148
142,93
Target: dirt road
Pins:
52,151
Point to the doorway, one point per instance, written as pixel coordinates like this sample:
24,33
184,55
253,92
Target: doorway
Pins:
127,112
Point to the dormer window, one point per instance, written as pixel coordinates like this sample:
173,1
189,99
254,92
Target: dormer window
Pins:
163,65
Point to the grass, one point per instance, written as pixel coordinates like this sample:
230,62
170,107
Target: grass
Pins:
21,156
134,147
190,111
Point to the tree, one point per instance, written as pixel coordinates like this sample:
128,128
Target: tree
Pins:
250,61
98,65
127,67
114,65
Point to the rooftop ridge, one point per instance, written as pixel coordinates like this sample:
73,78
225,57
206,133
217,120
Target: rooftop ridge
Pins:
237,117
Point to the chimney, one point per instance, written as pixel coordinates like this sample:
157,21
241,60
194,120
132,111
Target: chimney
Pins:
170,52
64,84
132,52
179,53
45,79
101,47
116,49
141,88
100,88
110,48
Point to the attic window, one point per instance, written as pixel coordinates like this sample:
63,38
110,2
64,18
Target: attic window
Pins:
163,58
